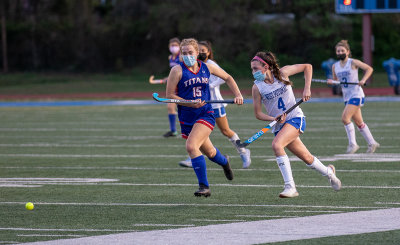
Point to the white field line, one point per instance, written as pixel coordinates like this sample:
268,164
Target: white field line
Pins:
233,205
263,216
48,235
388,203
308,211
58,145
163,225
50,229
208,169
256,232
27,183
218,220
363,157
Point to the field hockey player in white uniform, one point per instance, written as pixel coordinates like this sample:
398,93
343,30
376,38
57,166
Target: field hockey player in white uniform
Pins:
206,55
272,88
346,70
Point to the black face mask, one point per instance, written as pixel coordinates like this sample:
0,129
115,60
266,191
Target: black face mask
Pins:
202,56
341,56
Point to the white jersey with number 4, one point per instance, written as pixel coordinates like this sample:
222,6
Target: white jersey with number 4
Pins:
350,75
277,98
214,83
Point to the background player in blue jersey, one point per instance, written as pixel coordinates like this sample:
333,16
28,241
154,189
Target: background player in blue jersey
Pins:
190,80
173,61
273,88
346,70
206,55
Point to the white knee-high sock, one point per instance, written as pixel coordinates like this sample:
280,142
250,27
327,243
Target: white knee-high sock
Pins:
286,170
233,141
318,166
351,133
364,130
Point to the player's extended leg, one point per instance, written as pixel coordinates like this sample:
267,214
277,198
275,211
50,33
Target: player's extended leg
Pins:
348,112
172,119
285,136
198,135
300,150
223,125
365,132
215,155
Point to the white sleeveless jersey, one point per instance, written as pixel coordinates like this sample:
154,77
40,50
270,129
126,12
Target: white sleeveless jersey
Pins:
347,74
277,98
214,83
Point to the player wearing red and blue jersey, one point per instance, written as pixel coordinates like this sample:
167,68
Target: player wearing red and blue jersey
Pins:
190,81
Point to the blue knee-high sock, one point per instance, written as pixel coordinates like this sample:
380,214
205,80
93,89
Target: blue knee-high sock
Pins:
171,118
199,166
219,158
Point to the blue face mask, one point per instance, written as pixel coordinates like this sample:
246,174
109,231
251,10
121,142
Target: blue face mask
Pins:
259,76
189,60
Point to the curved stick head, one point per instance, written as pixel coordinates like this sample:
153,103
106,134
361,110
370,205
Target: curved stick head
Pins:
241,145
155,97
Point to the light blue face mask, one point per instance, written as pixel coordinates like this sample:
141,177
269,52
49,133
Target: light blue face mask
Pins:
189,60
259,76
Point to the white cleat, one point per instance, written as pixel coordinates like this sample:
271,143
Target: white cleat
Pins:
187,163
289,191
352,149
246,158
333,180
372,148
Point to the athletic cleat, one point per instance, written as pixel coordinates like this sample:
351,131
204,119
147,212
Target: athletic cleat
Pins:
372,148
203,191
187,163
333,180
246,158
170,134
352,149
227,169
289,191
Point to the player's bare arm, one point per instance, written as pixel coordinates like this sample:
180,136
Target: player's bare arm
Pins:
257,105
298,68
219,72
367,70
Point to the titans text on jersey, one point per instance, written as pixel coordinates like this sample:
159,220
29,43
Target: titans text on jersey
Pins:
195,80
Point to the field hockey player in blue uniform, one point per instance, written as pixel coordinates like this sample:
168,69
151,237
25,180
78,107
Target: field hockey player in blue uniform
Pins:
346,70
173,61
190,81
206,55
272,88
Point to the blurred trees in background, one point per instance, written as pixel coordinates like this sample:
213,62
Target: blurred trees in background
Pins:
116,35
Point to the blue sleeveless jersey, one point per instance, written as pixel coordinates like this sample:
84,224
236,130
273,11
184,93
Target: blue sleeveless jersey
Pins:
174,62
194,86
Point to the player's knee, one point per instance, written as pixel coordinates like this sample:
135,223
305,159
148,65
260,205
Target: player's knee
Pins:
276,147
191,148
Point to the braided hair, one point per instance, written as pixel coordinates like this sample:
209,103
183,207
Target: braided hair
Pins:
272,62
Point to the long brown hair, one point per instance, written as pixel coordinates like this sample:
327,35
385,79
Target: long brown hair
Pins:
207,44
272,62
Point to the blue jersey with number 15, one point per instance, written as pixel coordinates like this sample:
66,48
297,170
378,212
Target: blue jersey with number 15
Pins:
193,86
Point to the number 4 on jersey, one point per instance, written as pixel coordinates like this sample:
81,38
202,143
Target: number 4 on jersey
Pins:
281,104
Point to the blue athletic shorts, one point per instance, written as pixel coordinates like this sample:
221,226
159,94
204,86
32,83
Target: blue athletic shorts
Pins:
355,101
187,118
219,112
297,122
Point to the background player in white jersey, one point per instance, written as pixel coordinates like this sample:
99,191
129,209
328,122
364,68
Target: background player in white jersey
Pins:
206,55
346,70
273,89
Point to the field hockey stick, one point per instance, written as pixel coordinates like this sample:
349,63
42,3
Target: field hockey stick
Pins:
266,128
155,81
164,100
333,82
